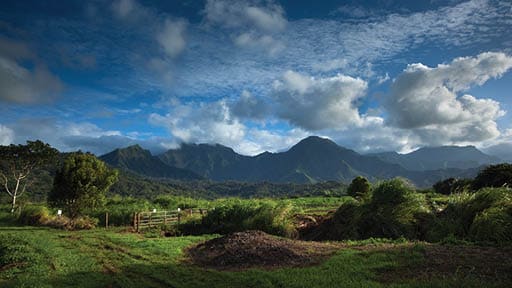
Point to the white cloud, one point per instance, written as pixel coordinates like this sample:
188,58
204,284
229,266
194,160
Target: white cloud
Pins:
6,135
254,24
68,136
264,16
319,45
172,37
202,123
335,64
214,123
261,140
318,103
425,99
259,42
22,85
270,19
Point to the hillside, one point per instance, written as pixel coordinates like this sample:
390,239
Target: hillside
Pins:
313,159
444,157
138,160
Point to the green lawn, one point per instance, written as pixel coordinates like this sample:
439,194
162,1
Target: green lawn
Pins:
45,257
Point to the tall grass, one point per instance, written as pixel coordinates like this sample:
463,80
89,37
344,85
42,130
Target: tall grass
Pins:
232,215
392,210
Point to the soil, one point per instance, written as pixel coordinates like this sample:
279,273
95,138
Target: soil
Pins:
447,261
251,249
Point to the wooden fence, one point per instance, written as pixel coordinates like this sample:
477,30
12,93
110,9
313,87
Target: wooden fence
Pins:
142,220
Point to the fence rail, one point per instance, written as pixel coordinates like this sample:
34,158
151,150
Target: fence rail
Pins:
142,220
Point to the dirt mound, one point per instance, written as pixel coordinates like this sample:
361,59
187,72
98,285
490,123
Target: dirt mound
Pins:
250,249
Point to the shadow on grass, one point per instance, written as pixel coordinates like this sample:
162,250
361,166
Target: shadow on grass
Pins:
400,265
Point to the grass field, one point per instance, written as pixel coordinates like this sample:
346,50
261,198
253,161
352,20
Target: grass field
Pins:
45,257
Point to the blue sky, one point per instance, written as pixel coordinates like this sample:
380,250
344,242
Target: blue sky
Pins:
256,75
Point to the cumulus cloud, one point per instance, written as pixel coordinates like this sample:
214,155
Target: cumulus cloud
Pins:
24,84
171,37
214,122
66,136
318,103
201,123
426,100
6,135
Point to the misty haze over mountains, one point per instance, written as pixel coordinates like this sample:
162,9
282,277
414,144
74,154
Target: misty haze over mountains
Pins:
313,159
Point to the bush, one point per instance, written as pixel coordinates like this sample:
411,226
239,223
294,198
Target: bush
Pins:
34,215
452,185
493,225
39,215
483,216
237,215
393,210
494,176
359,187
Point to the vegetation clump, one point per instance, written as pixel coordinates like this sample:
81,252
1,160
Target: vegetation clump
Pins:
81,184
359,187
499,175
236,215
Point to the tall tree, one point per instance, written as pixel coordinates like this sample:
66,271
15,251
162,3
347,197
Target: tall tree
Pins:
81,183
17,162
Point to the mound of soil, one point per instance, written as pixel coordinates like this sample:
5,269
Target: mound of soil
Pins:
251,249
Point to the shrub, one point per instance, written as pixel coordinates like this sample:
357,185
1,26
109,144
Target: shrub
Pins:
452,185
359,187
493,225
82,223
483,216
393,210
237,215
494,176
34,215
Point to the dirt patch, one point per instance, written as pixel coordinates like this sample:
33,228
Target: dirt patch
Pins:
250,249
449,261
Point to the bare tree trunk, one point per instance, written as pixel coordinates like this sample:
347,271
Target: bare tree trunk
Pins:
13,206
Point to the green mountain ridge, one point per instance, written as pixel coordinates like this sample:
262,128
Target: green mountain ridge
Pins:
443,157
313,159
140,161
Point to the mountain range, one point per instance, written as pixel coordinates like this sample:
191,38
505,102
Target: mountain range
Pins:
312,160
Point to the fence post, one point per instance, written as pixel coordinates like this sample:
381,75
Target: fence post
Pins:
150,217
138,222
165,217
106,220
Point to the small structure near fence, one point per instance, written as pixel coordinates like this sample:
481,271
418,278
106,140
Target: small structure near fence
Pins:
142,220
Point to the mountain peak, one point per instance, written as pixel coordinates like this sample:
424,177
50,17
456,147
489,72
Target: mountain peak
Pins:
315,141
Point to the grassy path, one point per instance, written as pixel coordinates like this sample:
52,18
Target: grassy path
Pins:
44,257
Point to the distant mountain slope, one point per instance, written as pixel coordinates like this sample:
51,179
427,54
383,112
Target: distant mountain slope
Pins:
444,157
311,160
215,162
501,150
140,161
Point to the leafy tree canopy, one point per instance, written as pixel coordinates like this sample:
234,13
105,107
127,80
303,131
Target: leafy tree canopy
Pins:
81,184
